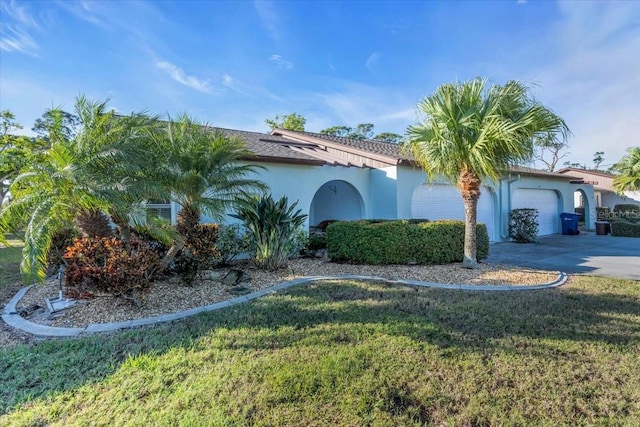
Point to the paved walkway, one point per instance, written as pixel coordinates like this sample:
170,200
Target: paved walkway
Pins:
12,318
586,253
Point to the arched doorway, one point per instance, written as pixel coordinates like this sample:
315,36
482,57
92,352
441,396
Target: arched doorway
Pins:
581,207
335,200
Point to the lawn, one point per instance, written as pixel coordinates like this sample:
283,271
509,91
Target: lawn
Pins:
347,353
10,258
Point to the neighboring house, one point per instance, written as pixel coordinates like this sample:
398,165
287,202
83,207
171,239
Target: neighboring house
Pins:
605,195
335,178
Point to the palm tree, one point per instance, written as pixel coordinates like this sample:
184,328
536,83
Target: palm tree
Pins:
629,171
203,173
75,182
472,133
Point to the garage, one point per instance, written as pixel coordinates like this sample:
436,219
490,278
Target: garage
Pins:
545,201
436,201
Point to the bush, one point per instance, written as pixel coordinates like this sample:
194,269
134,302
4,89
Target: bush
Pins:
110,265
271,227
625,228
627,207
401,242
317,241
523,225
231,243
199,252
59,243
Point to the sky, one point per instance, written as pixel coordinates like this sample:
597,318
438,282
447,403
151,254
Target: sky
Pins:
234,64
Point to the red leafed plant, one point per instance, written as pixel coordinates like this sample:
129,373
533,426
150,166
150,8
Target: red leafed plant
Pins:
110,265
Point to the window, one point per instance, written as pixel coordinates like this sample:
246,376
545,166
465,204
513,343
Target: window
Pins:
160,209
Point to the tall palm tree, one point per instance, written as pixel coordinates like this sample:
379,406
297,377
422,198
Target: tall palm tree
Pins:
203,173
74,182
629,171
471,133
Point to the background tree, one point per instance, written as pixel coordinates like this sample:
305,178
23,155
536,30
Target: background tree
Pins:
56,120
598,158
389,137
15,151
549,150
472,133
203,173
628,169
340,131
293,121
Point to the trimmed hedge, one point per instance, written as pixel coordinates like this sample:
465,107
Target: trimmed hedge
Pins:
624,228
401,242
626,207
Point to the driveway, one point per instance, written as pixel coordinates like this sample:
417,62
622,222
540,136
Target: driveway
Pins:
586,253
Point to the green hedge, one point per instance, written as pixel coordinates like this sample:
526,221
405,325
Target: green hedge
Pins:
625,228
401,242
626,207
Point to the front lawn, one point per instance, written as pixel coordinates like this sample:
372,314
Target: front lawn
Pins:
346,353
10,258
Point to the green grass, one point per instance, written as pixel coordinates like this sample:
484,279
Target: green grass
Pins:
10,258
346,353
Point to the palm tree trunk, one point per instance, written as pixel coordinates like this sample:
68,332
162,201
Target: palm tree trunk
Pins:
186,222
469,185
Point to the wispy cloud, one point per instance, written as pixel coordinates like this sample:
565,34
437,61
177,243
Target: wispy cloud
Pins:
269,17
87,11
178,74
281,63
372,60
16,23
595,82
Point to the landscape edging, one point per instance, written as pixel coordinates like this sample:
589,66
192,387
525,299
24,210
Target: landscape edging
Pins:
13,318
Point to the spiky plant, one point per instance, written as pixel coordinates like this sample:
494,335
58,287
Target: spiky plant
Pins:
271,226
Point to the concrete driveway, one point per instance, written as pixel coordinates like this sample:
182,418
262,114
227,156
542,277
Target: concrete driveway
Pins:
586,253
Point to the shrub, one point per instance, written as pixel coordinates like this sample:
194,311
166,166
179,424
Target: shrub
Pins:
523,225
317,241
110,265
401,242
271,227
626,207
231,243
625,228
199,252
59,243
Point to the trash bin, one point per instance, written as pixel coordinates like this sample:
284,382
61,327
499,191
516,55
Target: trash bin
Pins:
570,223
602,228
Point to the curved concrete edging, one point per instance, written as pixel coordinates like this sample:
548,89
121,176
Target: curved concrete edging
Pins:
12,318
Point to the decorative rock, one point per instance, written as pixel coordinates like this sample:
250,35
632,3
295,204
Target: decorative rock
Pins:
233,277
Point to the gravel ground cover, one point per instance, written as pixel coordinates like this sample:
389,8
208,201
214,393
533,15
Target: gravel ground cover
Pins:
171,295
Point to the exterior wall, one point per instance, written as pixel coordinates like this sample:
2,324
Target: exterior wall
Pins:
384,193
611,199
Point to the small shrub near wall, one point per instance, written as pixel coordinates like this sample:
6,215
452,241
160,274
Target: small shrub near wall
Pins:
401,242
627,207
111,266
523,225
625,228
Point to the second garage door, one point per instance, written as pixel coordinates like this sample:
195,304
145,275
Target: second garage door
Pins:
545,201
444,202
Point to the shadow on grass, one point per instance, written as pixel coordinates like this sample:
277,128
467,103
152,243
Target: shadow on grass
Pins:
588,311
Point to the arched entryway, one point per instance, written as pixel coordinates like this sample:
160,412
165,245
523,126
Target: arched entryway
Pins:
581,206
335,200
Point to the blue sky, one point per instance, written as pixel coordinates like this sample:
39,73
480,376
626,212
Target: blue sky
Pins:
235,63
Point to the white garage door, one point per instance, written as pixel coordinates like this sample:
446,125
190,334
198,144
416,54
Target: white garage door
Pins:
444,202
546,201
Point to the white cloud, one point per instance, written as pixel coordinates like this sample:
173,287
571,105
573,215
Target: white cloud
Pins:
372,60
269,17
181,77
281,63
595,82
16,23
227,80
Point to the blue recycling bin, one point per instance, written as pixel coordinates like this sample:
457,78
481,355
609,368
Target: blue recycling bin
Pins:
570,223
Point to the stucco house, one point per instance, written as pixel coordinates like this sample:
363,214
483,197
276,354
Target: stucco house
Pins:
336,178
604,194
